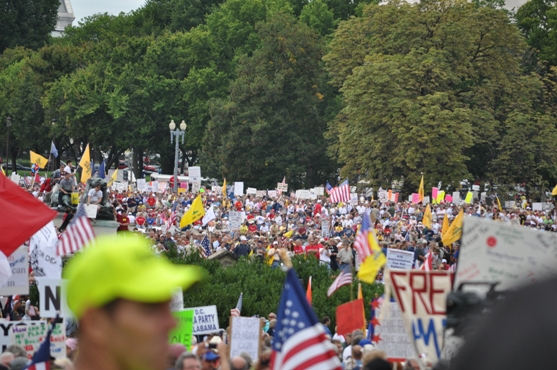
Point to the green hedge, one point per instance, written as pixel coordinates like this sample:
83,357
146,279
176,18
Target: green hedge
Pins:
262,287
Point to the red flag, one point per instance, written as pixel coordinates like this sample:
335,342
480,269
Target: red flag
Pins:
21,216
350,316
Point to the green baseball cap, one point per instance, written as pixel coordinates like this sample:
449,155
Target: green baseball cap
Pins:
123,267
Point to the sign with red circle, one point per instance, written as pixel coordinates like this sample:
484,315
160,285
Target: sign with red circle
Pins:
491,241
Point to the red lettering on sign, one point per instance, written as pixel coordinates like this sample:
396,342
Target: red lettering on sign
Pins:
417,291
433,292
397,287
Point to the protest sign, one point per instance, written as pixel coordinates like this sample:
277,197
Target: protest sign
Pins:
456,197
282,188
421,296
194,174
141,185
42,253
234,220
162,186
195,187
383,196
18,283
183,332
216,189
272,193
184,185
177,302
245,336
155,186
181,190
399,259
91,210
434,193
205,320
320,191
52,297
476,187
510,204
325,228
238,188
30,335
498,252
260,193
390,333
354,198
426,199
251,191
302,194
537,206
415,198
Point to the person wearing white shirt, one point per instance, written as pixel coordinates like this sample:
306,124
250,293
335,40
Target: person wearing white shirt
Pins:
95,196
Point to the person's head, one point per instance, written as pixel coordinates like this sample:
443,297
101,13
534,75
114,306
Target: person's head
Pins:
17,351
238,363
6,358
188,361
326,321
210,361
357,352
18,363
338,345
120,293
378,364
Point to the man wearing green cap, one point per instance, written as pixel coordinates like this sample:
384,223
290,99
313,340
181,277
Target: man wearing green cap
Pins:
120,293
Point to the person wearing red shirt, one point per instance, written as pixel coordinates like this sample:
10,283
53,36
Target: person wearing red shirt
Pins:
238,205
317,208
252,227
151,201
123,220
312,249
298,249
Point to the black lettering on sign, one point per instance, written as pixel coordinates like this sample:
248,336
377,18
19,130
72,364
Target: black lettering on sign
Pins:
51,297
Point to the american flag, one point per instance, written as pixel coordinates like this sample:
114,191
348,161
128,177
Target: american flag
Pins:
171,221
428,263
344,278
328,188
235,312
300,341
205,247
41,358
78,233
340,193
362,243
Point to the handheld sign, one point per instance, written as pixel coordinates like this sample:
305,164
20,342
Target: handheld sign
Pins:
30,335
205,320
399,259
18,283
390,334
183,332
245,336
52,297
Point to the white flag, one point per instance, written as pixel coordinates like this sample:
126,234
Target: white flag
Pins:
209,215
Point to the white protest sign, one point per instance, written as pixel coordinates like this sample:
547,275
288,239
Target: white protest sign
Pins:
18,283
399,259
42,253
320,191
162,186
391,334
205,320
272,193
384,196
194,175
177,302
498,252
282,188
216,189
312,194
302,194
476,187
52,297
141,185
353,198
325,225
30,335
195,187
426,199
155,186
509,204
245,336
91,210
456,197
424,317
536,206
251,191
261,193
238,188
234,220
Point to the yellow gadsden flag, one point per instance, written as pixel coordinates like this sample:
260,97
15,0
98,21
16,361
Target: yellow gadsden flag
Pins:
224,188
554,191
455,230
445,225
113,178
428,219
372,263
421,191
194,213
38,159
85,164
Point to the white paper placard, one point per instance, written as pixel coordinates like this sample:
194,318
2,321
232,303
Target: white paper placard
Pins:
394,339
91,210
30,335
194,175
498,252
53,297
260,193
205,320
272,193
320,191
251,191
238,188
245,336
399,259
18,283
282,188
234,220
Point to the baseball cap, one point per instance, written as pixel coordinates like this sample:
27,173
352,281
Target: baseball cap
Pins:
117,267
210,356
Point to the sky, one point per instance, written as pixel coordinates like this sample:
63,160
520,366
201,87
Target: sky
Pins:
84,8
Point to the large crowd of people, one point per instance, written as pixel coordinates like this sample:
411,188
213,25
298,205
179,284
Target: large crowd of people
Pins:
269,225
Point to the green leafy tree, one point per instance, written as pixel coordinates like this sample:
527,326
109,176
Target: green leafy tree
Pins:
537,20
27,23
272,124
318,16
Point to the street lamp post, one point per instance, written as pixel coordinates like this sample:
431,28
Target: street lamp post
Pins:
8,124
178,132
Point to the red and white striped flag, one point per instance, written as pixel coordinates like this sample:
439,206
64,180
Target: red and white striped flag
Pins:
78,233
340,193
344,278
428,263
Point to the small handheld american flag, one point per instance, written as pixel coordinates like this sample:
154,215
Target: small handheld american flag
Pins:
205,247
78,233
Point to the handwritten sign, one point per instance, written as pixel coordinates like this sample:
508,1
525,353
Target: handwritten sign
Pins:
245,336
238,188
383,196
399,259
261,193
303,194
421,297
91,210
31,334
497,252
42,253
391,335
272,193
415,198
320,191
251,191
18,283
177,302
183,332
282,188
194,175
235,220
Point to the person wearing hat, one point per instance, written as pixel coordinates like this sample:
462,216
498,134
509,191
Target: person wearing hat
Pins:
120,293
243,248
66,187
